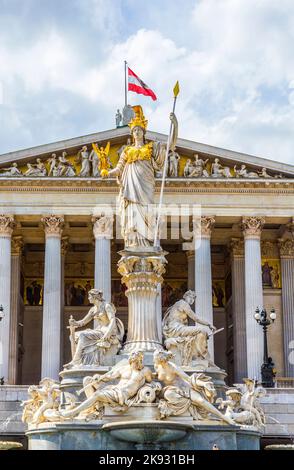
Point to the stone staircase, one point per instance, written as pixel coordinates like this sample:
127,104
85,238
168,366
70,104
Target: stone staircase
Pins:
11,397
278,405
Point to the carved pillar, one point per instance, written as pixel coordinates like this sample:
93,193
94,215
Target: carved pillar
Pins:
191,269
287,271
202,233
102,229
6,228
252,227
64,247
53,225
238,304
16,252
142,274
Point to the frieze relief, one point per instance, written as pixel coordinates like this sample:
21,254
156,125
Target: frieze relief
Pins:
92,158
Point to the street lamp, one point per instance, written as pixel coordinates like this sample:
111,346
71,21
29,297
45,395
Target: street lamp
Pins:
267,369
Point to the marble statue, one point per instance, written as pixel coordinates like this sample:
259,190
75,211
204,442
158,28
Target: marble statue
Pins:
188,168
43,403
11,171
94,160
126,379
182,393
186,342
36,170
173,164
244,173
118,118
65,168
136,178
52,165
92,347
218,170
264,174
199,169
249,401
244,408
127,114
83,155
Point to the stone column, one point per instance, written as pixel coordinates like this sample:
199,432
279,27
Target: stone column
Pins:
6,228
252,227
53,225
287,271
16,252
202,230
64,247
102,228
238,305
142,274
191,269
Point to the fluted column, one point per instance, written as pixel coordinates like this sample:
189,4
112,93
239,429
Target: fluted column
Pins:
287,271
202,233
64,247
191,269
142,274
252,227
6,229
16,252
238,304
102,229
53,225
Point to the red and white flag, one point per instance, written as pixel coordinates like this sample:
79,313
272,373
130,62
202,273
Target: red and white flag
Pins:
138,86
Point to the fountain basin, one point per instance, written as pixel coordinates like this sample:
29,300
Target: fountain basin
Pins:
143,434
147,434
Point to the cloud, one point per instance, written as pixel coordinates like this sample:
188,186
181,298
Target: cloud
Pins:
232,58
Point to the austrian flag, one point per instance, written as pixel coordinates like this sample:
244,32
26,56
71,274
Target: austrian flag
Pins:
138,86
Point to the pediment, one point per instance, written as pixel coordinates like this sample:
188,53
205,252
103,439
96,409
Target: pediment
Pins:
194,161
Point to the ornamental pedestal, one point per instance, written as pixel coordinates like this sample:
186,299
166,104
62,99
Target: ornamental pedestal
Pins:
142,273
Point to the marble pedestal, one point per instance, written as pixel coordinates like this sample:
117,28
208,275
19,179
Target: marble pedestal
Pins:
142,271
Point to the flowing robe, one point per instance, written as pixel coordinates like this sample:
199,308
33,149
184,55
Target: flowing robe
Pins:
136,179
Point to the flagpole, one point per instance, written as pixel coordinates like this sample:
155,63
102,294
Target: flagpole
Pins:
126,92
156,236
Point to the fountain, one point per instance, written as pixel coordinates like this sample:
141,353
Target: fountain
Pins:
159,389
8,445
281,446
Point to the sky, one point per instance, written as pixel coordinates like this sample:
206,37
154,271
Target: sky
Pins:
62,70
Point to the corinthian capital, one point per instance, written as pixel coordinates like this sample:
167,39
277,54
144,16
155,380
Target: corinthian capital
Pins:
237,247
286,248
16,245
252,226
102,226
53,225
203,226
7,225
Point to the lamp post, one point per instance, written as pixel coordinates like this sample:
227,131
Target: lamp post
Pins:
1,312
267,368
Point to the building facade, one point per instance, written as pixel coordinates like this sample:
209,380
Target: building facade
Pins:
228,230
